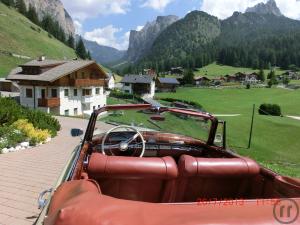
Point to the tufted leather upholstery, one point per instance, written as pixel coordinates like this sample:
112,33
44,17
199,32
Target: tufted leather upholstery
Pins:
140,179
217,178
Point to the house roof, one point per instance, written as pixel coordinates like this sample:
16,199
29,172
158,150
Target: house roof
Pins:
137,79
63,68
168,80
200,78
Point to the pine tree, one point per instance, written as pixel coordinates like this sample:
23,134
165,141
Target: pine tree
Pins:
9,3
89,57
21,7
188,76
261,75
80,49
71,42
32,15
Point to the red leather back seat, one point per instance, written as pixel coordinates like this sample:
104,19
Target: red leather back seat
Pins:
131,178
203,179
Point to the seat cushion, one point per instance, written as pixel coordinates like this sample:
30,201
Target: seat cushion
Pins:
203,179
190,166
101,166
131,178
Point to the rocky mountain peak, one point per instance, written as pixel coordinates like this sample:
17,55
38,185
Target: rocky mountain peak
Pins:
141,41
56,9
266,8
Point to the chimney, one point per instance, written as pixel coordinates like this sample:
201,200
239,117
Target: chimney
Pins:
42,58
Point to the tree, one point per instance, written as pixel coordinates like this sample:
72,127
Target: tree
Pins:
9,3
89,57
188,77
286,81
261,75
21,7
80,49
71,41
32,15
271,75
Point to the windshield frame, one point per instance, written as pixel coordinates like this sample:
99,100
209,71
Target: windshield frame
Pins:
93,119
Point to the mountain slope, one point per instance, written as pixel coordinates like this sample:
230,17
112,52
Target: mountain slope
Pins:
141,41
20,36
103,54
56,9
186,38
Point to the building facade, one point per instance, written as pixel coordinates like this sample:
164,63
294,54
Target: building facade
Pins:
143,85
70,88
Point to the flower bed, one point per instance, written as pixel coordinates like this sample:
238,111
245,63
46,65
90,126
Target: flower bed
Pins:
21,127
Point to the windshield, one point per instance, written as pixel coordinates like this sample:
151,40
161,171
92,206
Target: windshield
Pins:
167,122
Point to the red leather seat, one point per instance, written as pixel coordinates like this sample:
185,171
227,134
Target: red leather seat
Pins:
131,178
203,179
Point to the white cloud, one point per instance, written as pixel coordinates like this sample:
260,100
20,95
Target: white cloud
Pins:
139,28
81,10
107,36
78,27
225,8
159,5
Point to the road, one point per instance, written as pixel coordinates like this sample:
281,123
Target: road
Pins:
26,173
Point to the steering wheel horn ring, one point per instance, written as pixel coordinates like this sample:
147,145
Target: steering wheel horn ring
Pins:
124,145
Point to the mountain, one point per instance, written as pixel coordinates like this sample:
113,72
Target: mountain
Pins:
19,36
258,40
56,9
269,8
187,38
141,41
103,54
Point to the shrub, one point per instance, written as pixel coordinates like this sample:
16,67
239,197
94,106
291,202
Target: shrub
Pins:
191,103
122,95
13,111
10,137
248,86
35,135
270,109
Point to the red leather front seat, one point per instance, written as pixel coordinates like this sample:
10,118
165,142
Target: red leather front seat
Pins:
131,178
204,179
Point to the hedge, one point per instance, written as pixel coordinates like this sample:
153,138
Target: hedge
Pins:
191,103
270,109
122,95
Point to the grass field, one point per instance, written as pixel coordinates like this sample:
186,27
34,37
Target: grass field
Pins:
214,70
275,139
20,36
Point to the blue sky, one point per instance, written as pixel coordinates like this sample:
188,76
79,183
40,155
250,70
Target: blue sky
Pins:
108,22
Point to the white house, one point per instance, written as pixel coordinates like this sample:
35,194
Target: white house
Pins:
139,84
61,87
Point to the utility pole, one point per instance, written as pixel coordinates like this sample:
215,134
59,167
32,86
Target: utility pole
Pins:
251,129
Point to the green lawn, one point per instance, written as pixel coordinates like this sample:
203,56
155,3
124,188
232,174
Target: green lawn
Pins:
214,70
275,139
20,36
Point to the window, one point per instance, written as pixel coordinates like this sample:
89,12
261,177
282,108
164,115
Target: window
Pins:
29,93
97,91
127,84
54,93
75,92
126,91
94,107
67,112
86,92
75,111
66,92
98,106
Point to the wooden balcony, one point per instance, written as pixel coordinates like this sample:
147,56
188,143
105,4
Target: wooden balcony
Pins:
48,102
87,82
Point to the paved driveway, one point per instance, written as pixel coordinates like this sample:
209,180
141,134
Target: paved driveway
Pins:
25,174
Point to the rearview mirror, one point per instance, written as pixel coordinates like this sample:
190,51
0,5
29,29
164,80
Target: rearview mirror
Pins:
75,132
158,118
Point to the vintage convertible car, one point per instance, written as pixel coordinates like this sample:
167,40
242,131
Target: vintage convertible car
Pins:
130,175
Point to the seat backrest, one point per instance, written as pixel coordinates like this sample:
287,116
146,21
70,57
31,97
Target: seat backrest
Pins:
214,178
132,178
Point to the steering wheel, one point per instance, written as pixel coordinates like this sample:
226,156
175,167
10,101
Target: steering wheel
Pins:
124,146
